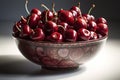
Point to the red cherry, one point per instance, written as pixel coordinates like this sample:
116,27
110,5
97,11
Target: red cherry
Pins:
66,16
16,29
92,26
36,11
101,20
23,21
33,20
89,17
26,31
71,35
99,36
55,37
77,9
62,27
80,23
102,29
40,25
83,34
50,27
93,35
75,15
46,15
38,35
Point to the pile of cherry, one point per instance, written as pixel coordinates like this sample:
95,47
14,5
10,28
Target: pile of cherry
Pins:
61,26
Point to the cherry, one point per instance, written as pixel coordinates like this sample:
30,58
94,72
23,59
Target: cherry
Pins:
26,31
55,37
33,20
62,27
16,29
88,16
40,25
93,35
80,23
99,36
38,35
23,21
83,34
46,15
36,11
71,35
102,29
74,13
92,26
101,20
66,16
77,9
50,27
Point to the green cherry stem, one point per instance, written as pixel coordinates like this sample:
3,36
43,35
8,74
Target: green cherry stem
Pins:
26,7
93,6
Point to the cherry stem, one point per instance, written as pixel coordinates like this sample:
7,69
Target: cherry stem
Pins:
26,7
46,16
80,9
17,27
93,6
53,8
42,5
23,18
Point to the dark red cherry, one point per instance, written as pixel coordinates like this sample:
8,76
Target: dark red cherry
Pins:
26,31
71,35
89,17
41,25
101,20
23,21
83,34
38,35
46,16
33,20
80,23
50,27
99,36
55,37
93,35
75,15
92,26
62,27
36,11
77,9
16,29
102,29
66,16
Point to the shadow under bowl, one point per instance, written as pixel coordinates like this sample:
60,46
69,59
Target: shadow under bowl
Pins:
66,55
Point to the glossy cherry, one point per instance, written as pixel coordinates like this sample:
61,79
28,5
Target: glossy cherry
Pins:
26,31
33,20
38,35
16,29
41,25
83,34
71,35
101,20
92,26
55,37
46,15
50,27
36,11
66,16
93,35
102,29
80,23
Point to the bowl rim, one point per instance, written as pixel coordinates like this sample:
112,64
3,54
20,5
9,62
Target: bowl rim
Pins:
46,42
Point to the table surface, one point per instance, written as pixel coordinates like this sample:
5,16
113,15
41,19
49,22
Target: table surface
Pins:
104,66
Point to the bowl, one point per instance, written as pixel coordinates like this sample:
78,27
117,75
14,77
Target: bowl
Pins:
64,55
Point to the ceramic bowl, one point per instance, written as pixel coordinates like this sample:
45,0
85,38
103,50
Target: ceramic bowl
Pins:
59,55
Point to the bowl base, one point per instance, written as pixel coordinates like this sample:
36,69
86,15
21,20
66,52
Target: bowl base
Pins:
60,68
